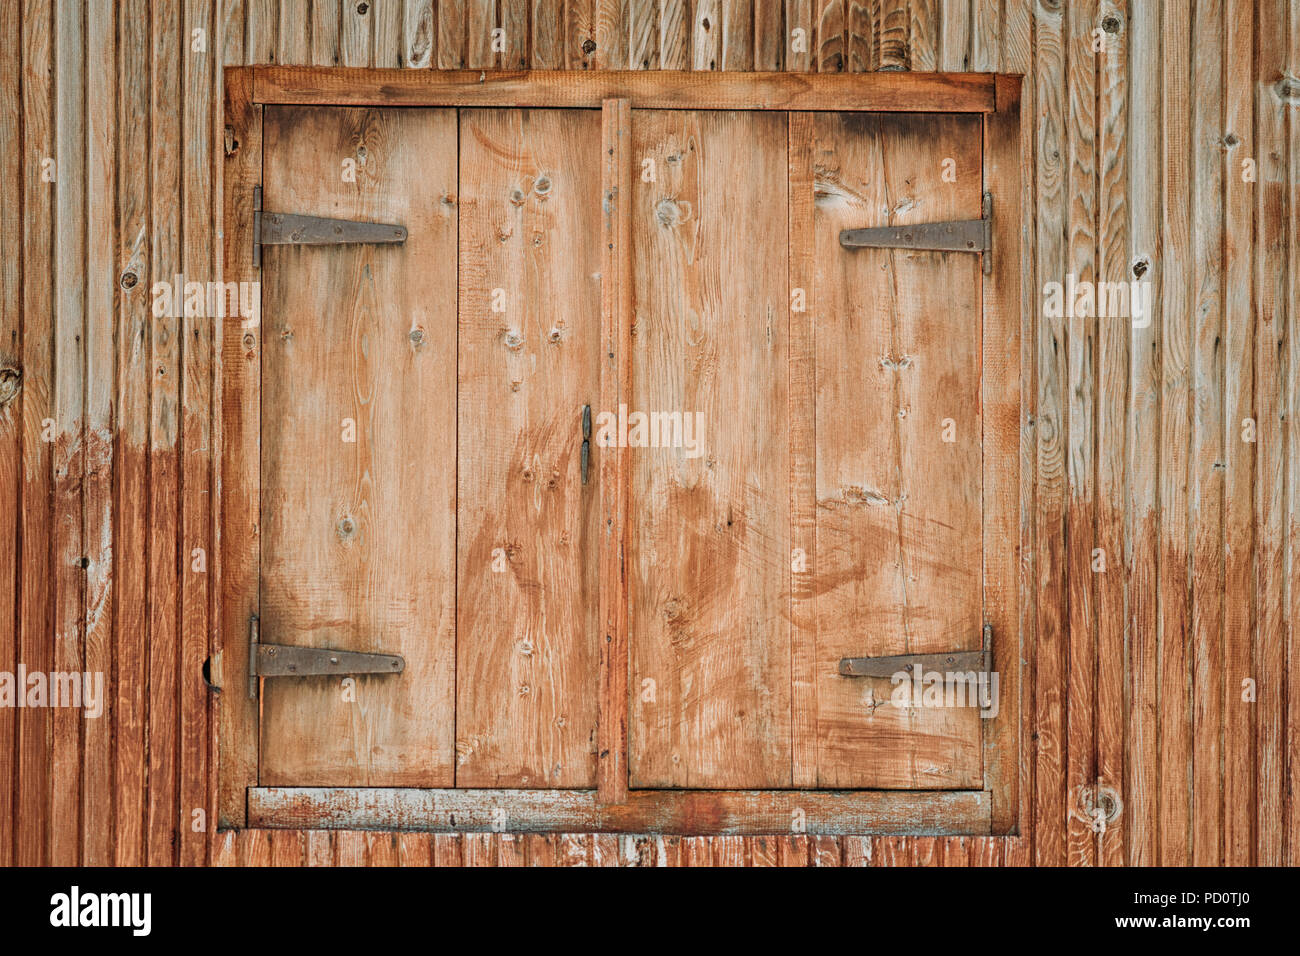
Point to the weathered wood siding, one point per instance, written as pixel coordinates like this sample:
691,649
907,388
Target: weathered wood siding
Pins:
1134,435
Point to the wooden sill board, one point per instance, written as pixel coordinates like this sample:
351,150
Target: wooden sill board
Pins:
685,812
653,89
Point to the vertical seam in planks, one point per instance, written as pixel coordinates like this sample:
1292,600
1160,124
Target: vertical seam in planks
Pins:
616,316
801,241
455,558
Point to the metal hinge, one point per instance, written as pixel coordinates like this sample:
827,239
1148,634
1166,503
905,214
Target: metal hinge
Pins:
981,660
287,229
285,660
961,235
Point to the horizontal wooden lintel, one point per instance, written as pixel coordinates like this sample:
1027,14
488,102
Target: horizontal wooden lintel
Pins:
647,89
684,812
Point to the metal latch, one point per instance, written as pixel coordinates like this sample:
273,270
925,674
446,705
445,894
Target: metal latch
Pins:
981,660
285,660
586,441
960,235
287,229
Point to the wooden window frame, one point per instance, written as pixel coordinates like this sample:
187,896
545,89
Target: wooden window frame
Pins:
998,809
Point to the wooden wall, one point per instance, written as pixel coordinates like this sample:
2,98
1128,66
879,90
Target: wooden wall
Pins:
1134,436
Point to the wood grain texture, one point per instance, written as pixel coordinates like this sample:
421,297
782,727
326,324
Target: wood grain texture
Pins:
239,553
1005,303
615,357
1173,685
1113,395
897,505
1257,236
1082,560
1239,455
1142,501
358,434
528,631
478,813
662,89
1271,198
710,651
12,182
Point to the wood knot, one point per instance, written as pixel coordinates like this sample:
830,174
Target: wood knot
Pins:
1288,89
11,382
670,212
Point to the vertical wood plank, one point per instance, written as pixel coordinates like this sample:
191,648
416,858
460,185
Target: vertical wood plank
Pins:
515,39
134,253
955,33
1174,685
69,414
706,628
1239,455
233,31
611,35
101,117
1207,451
1142,728
863,36
292,31
1004,303
923,35
616,293
287,848
1113,398
418,30
674,35
356,33
480,21
986,18
196,398
892,47
769,35
450,48
262,23
529,530
166,146
1271,194
1291,413
547,35
706,34
802,304
326,19
737,40
799,48
386,42
14,165
240,462
1017,57
1081,350
1050,260
828,39
580,34
35,649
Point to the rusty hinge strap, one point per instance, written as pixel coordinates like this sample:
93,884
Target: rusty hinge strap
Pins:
981,660
960,235
285,660
289,229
